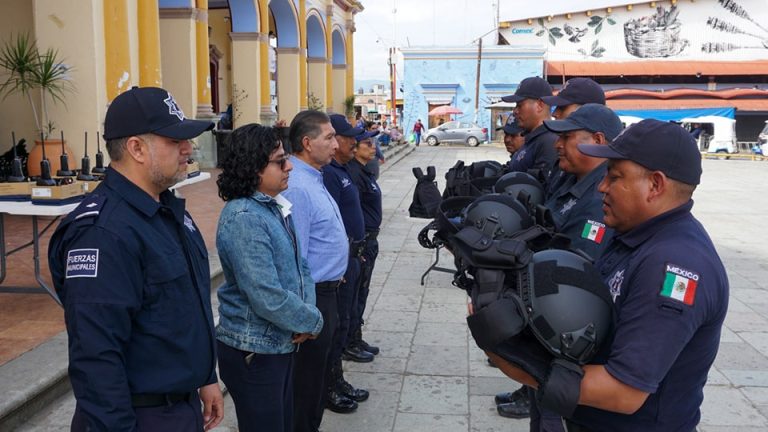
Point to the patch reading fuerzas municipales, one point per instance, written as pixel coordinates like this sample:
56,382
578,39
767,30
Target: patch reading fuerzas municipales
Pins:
82,263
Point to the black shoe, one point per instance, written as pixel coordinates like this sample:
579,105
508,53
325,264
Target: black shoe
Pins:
346,389
355,354
509,397
339,403
368,347
521,408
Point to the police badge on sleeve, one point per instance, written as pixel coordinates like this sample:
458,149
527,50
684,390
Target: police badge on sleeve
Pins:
82,263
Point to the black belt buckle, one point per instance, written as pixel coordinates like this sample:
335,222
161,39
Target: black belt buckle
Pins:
147,400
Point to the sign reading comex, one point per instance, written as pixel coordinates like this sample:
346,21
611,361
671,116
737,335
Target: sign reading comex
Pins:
82,263
522,31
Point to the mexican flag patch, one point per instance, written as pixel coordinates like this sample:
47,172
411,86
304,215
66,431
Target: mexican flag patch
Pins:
680,284
593,231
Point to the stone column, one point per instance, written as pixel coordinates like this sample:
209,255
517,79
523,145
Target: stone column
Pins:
117,57
303,55
204,107
329,102
150,72
266,115
350,59
339,87
316,71
245,83
288,104
179,59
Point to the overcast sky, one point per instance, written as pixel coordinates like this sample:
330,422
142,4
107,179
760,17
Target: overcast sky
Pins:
403,23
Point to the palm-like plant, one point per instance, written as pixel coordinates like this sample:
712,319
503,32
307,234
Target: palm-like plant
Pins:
27,69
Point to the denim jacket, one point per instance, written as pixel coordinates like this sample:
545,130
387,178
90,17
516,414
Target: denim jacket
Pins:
268,294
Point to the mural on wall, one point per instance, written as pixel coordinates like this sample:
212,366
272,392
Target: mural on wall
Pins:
656,35
726,26
718,29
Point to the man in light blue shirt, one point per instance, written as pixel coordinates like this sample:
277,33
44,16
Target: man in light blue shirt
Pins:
323,242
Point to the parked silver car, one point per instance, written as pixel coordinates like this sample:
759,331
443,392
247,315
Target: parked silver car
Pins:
456,131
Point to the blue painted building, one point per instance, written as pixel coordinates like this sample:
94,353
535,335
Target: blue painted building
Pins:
437,76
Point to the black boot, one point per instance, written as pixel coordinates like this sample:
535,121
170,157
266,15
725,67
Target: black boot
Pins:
365,346
339,403
346,389
515,405
354,353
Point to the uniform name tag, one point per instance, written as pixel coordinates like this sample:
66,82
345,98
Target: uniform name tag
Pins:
82,263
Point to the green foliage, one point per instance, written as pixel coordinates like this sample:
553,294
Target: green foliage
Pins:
349,106
314,102
27,69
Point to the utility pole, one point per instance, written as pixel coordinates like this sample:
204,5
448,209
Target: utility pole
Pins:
477,78
393,86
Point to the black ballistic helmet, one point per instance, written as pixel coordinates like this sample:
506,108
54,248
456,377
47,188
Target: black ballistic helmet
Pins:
569,306
487,168
497,215
450,216
515,182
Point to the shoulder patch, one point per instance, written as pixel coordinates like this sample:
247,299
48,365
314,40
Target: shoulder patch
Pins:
90,207
82,263
679,284
593,231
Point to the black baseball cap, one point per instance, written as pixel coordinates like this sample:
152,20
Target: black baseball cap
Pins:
511,127
530,88
577,91
342,126
656,145
142,110
591,117
365,135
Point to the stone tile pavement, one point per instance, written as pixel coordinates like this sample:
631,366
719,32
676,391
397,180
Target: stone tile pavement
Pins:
430,375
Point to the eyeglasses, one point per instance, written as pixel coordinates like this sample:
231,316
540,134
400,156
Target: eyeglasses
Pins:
282,162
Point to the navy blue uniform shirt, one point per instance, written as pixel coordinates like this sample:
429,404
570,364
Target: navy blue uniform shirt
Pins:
577,208
538,152
670,294
370,194
133,277
339,184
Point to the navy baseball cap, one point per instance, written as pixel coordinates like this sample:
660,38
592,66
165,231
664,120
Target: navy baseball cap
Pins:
656,145
342,126
577,91
511,127
591,117
142,110
365,135
530,88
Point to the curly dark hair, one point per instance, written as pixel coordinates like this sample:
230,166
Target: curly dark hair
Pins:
249,149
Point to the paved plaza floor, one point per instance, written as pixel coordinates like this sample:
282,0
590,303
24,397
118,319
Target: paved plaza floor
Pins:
430,376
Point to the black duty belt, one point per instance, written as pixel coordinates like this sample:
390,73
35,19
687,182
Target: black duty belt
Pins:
328,284
145,400
371,235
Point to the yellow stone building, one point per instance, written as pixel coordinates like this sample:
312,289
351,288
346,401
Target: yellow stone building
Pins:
268,58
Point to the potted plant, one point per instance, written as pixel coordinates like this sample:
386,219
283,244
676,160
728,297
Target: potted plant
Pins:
28,70
349,108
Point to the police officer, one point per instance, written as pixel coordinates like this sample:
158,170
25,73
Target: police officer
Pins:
538,152
131,269
323,243
575,93
576,204
371,202
342,397
513,140
669,288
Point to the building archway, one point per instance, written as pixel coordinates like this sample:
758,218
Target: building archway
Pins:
316,61
339,74
287,56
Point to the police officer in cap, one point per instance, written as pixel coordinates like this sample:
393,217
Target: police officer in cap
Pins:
538,152
575,93
577,206
513,139
131,269
342,396
669,290
371,202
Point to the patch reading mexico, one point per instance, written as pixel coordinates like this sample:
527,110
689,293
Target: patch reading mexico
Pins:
593,231
680,284
82,263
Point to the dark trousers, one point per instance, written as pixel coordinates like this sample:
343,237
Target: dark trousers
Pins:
309,369
184,416
262,389
370,253
346,303
543,420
